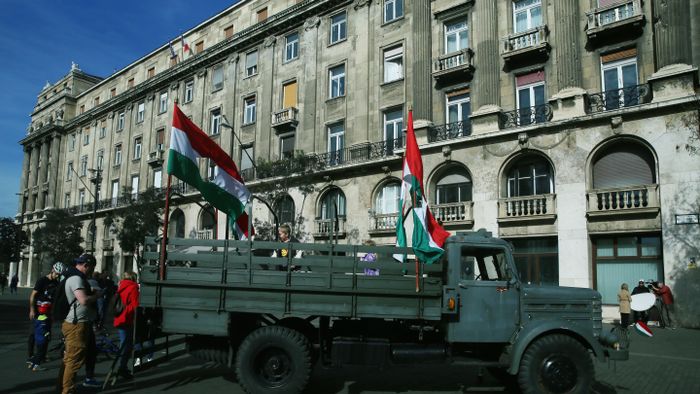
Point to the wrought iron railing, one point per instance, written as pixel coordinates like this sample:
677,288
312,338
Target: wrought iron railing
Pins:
456,212
526,39
358,153
450,131
285,115
620,199
526,206
619,98
526,116
614,13
453,60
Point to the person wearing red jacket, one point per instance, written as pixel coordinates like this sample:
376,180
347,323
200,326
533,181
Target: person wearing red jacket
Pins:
128,291
664,292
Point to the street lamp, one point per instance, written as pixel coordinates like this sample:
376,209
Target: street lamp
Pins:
97,180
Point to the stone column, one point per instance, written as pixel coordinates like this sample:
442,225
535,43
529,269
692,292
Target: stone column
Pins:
53,176
42,172
671,26
24,181
33,178
566,44
422,76
309,86
487,61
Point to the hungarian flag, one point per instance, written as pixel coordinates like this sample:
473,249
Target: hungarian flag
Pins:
172,50
428,235
643,329
226,192
185,45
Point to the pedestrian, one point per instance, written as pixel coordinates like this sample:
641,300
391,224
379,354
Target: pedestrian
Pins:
625,300
664,292
284,233
640,289
128,292
77,326
3,283
13,284
40,302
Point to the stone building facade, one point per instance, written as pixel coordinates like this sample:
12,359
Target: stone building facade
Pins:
567,127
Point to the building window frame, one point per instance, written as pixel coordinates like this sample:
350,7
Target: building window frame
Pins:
336,81
251,63
141,111
393,10
118,154
215,121
284,151
163,102
249,110
291,47
138,147
393,63
532,12
457,32
189,91
121,117
338,27
217,77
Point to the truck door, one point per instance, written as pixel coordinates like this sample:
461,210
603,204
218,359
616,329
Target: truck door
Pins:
489,300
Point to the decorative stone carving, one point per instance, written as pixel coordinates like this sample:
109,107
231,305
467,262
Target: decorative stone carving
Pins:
447,152
111,115
386,170
59,114
174,86
269,41
130,107
616,122
523,140
202,72
361,3
312,23
233,58
74,66
151,97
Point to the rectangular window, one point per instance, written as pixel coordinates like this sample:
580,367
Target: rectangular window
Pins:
458,106
130,83
287,146
160,140
134,187
82,108
336,81
140,112
393,64
215,121
115,192
71,142
158,178
228,31
99,162
291,47
251,63
393,9
338,27
537,260
249,110
103,128
112,92
66,201
393,129
120,121
289,95
336,142
96,102
163,102
619,73
217,77
81,199
69,171
211,169
527,14
86,136
151,72
262,14
118,154
530,96
137,147
456,36
247,168
83,165
199,47
189,91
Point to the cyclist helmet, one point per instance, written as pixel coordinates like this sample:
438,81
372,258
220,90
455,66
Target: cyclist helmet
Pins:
58,267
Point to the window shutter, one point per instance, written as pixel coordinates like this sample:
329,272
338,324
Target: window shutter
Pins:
527,79
625,166
619,55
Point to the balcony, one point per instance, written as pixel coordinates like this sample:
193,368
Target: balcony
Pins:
450,131
207,233
382,223
529,46
359,153
155,158
107,244
325,228
456,213
624,201
526,116
285,120
619,98
455,65
615,22
540,207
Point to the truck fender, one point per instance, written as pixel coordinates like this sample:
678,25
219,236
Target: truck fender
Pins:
535,330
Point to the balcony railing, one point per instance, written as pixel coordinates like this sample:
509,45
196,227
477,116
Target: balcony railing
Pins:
325,228
457,212
619,98
524,40
453,62
107,244
527,206
207,233
285,116
383,222
526,116
614,13
359,153
623,199
450,131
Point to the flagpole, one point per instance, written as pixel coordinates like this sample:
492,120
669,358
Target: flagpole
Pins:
164,241
414,224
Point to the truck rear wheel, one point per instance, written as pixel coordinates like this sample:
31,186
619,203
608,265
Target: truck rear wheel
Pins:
556,364
274,359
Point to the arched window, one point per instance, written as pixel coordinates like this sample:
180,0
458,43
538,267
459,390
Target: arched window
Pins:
453,185
284,208
332,200
528,176
207,223
388,198
622,164
176,226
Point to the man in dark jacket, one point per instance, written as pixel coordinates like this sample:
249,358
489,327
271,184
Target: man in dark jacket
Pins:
640,315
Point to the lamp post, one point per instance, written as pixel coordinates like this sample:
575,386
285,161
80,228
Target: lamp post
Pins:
97,180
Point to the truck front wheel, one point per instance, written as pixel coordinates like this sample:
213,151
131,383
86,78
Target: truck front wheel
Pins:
273,359
556,364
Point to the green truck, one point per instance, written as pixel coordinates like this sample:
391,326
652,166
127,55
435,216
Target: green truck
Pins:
273,318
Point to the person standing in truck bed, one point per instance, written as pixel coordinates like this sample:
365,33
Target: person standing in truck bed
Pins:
284,233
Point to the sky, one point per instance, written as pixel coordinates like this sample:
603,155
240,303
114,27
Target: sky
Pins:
40,38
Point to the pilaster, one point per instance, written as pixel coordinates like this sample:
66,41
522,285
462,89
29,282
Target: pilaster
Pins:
671,26
566,44
422,77
487,59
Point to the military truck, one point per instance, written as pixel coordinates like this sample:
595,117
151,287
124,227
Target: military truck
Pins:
272,318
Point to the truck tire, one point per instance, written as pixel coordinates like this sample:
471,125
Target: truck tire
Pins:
556,364
273,360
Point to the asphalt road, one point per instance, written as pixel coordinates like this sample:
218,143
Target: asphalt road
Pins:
666,363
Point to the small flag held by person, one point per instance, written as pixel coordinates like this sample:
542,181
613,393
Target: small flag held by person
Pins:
643,329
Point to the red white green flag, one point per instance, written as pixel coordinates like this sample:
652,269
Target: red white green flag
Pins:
226,192
428,236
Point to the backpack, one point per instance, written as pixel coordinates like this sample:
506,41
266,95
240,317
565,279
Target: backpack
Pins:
117,305
61,306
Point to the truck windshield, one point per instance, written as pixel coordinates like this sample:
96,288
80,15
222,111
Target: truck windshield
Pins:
483,264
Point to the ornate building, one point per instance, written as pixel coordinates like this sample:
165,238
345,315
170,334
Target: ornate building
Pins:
568,127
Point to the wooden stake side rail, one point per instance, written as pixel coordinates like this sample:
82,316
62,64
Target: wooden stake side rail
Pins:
329,280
